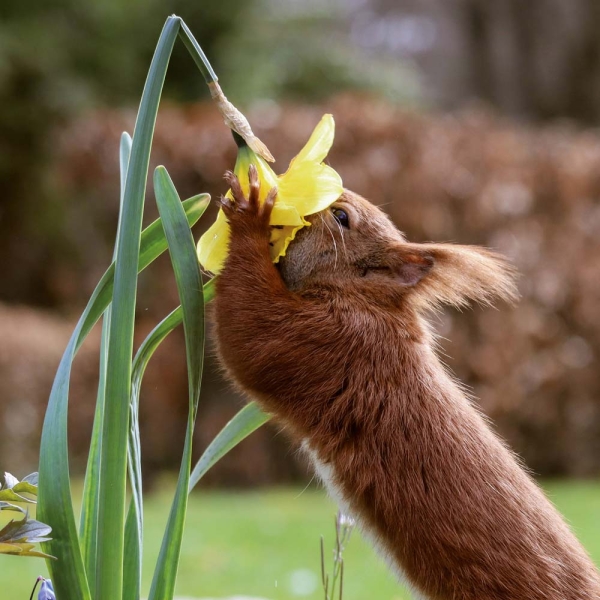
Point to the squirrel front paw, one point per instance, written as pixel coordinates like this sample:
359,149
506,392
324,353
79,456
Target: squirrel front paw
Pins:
248,216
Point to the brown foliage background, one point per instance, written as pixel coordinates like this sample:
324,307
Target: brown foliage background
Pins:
530,192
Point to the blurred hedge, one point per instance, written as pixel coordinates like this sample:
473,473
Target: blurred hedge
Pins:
470,177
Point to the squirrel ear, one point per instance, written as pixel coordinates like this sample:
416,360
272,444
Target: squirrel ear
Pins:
409,264
458,274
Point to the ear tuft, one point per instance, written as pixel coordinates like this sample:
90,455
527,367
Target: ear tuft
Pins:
412,268
452,274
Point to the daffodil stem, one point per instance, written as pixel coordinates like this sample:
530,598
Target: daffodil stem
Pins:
187,37
238,139
234,119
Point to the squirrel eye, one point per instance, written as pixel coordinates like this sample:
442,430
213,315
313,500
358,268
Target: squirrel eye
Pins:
341,217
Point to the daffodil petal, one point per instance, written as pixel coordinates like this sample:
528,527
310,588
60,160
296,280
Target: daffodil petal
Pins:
286,215
310,187
307,187
319,143
213,246
280,240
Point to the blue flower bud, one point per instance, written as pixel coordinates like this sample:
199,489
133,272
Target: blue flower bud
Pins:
46,591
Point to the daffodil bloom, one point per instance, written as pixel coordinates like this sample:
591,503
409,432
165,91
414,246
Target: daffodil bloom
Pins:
306,188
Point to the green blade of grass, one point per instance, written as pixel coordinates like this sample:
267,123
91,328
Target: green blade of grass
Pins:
88,527
245,422
115,426
189,287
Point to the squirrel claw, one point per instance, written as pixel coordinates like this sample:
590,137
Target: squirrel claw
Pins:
254,183
239,200
270,200
249,209
226,204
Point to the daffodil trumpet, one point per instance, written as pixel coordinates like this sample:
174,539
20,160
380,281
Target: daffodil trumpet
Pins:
307,187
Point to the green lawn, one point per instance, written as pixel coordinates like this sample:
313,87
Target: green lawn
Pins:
266,544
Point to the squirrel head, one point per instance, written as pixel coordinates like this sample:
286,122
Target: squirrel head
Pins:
353,246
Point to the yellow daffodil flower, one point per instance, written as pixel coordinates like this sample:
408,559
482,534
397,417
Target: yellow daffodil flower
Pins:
307,187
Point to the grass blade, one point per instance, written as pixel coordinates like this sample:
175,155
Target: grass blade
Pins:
88,527
113,461
246,421
189,287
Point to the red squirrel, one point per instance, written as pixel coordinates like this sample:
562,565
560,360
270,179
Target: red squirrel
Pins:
335,343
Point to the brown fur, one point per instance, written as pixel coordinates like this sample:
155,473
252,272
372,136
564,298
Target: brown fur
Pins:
334,342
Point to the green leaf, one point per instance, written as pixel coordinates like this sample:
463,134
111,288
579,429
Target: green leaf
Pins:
9,506
20,537
209,290
189,286
24,487
13,489
154,242
23,549
55,497
55,506
32,478
115,427
26,529
12,496
88,528
132,564
245,422
134,523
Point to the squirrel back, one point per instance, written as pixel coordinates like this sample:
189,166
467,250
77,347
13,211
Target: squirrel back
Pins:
335,343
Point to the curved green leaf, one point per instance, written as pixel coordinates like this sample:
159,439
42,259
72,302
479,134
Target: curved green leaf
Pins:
88,527
9,506
245,422
134,524
13,489
115,424
55,505
189,287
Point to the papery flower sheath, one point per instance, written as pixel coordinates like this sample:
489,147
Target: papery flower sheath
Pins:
307,187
